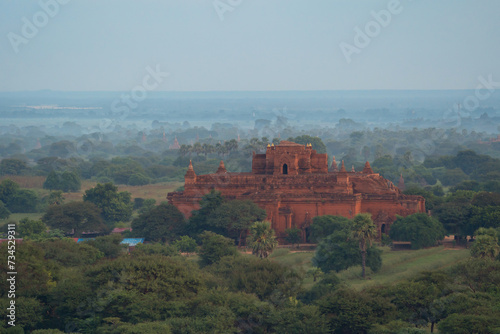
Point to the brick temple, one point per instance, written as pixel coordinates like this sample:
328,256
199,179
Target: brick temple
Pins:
293,184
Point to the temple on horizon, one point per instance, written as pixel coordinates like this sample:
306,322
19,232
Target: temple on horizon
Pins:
293,184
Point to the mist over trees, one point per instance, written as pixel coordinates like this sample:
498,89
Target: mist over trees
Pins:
190,275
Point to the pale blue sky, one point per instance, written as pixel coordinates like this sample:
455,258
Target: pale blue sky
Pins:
92,45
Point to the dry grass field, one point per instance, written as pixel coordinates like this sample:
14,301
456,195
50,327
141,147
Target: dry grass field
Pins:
31,182
157,191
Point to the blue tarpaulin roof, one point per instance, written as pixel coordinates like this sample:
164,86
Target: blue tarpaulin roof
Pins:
83,239
132,241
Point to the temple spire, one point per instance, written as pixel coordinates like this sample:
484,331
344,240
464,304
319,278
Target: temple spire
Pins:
401,183
342,168
190,175
368,169
222,168
334,167
352,169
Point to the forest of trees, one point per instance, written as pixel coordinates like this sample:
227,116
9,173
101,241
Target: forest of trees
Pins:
191,275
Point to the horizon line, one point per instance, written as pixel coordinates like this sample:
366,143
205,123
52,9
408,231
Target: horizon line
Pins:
237,91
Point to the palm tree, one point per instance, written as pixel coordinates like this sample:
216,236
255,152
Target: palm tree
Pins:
197,148
184,150
262,239
207,149
363,230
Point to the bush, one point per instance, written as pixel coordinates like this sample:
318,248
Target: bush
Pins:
4,212
138,180
293,236
338,252
214,247
155,248
186,244
419,228
23,201
267,279
28,228
323,226
109,245
65,181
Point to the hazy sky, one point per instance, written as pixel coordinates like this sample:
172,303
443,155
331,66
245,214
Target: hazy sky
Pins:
90,45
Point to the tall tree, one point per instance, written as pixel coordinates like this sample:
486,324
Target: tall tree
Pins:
76,217
4,212
340,251
55,197
323,226
65,181
162,223
214,247
236,217
364,231
28,228
116,206
419,228
208,204
262,240
486,244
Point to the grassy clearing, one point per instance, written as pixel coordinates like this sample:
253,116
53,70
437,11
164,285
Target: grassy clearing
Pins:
16,217
399,265
300,261
396,265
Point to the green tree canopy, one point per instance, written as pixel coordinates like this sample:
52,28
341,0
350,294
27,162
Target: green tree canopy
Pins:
485,244
162,223
419,228
12,167
28,228
351,311
68,253
323,226
214,247
185,244
317,143
23,201
340,251
75,218
293,236
109,245
116,206
235,217
55,197
153,248
4,212
18,200
208,205
265,278
66,181
168,277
